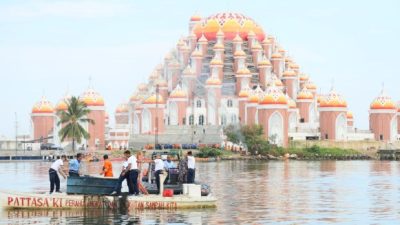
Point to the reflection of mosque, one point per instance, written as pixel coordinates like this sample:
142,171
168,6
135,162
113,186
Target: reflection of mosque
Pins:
226,71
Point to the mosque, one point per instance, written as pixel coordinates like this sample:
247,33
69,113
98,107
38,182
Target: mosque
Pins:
227,70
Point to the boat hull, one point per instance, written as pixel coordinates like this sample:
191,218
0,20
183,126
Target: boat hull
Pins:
176,202
88,185
178,188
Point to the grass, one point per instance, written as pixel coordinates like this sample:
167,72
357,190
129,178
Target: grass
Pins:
314,151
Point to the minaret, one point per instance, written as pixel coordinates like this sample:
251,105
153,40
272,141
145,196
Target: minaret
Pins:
173,74
251,106
265,69
237,43
256,51
185,51
153,114
42,117
290,80
276,59
213,87
239,58
251,37
332,117
217,65
266,44
243,78
303,79
219,47
293,114
192,41
304,101
163,86
273,116
189,81
122,114
242,98
383,118
203,42
197,61
95,103
311,87
194,20
177,104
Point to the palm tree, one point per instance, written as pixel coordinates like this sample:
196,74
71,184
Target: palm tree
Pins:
73,118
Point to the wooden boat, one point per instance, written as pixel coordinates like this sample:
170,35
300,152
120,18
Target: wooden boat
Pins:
176,202
177,187
88,185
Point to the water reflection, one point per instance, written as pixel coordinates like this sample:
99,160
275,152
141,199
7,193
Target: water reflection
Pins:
249,192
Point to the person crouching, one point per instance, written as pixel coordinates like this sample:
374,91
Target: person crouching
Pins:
55,168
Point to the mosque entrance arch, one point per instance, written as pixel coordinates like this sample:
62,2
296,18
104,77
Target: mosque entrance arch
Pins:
136,127
146,121
173,114
275,128
341,127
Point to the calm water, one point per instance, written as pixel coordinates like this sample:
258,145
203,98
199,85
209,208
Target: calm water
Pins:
294,192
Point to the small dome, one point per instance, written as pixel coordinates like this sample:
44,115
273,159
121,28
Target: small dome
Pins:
274,96
197,54
134,97
311,86
305,94
154,75
294,66
349,115
243,71
161,82
43,106
122,108
333,100
237,39
168,56
276,81
255,95
92,98
239,53
289,73
244,93
218,46
266,41
281,50
154,99
185,48
174,64
256,47
188,71
62,105
288,60
213,81
143,87
178,92
303,77
195,18
276,55
264,62
383,101
216,62
202,39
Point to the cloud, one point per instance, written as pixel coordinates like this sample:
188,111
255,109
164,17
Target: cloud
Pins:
68,9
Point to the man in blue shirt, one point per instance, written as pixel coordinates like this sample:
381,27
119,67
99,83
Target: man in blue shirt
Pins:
74,165
168,164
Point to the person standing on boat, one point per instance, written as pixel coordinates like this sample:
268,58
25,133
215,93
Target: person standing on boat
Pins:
191,162
74,165
159,168
133,174
55,168
107,167
183,170
122,177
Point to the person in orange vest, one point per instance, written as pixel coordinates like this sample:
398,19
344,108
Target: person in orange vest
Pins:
107,167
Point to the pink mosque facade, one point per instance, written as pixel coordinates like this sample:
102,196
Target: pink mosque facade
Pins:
227,70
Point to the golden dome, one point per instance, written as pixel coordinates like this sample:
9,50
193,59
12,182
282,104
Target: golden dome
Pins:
195,18
383,101
266,41
154,99
264,62
230,24
143,87
349,115
43,106
243,71
188,71
303,77
92,98
244,93
276,55
213,81
256,47
305,94
289,73
239,53
122,108
288,59
255,95
216,62
134,97
281,50
62,105
274,96
178,92
276,81
161,82
333,99
294,66
311,86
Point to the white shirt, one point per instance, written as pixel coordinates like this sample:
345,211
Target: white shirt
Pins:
159,164
133,161
191,162
57,164
125,165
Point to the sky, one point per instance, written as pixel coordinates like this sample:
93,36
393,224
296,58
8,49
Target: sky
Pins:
50,47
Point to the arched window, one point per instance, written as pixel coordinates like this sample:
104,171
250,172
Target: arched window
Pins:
275,129
223,120
341,127
191,120
229,103
201,120
198,103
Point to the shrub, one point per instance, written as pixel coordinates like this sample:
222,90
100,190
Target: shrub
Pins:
207,152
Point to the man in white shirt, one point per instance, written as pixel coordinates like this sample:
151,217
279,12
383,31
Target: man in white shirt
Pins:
133,174
159,168
55,168
191,167
122,177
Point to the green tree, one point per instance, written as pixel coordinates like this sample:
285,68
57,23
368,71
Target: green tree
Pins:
72,119
232,133
255,140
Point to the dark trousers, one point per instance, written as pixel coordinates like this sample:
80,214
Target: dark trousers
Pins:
191,175
121,179
73,173
133,178
157,175
54,180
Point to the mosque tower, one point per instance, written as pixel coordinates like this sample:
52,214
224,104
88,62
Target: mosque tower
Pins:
43,120
95,103
213,96
252,104
122,114
350,119
153,114
332,119
383,118
304,102
177,105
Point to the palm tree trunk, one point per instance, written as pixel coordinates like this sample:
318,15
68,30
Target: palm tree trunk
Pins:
73,145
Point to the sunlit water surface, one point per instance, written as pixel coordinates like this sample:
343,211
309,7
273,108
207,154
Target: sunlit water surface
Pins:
248,192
